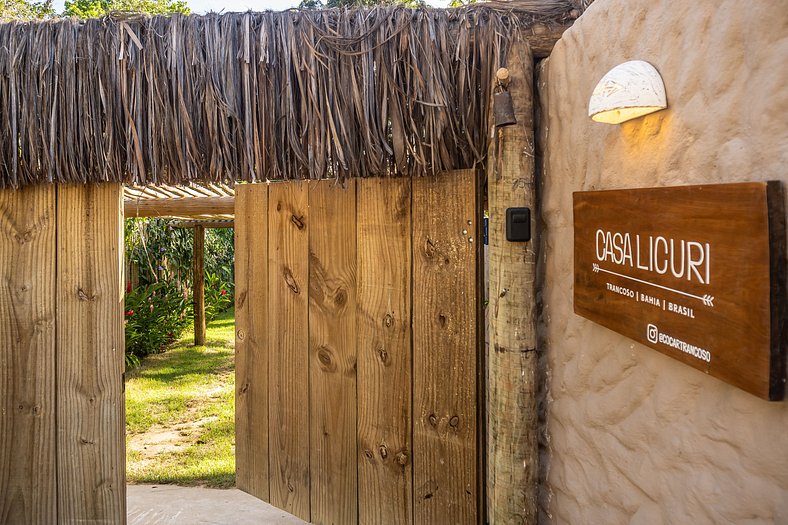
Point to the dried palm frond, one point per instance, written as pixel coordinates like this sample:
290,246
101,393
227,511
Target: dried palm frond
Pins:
253,96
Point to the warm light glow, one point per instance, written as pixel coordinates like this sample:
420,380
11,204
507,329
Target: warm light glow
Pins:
629,90
617,116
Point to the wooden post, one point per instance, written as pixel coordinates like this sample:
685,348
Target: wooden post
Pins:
198,286
512,359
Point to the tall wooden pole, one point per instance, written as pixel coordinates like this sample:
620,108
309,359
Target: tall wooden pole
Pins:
198,287
512,468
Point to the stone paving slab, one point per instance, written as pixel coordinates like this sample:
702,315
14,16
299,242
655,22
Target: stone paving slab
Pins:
173,505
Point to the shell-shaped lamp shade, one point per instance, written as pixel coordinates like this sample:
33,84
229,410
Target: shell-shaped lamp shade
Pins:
629,90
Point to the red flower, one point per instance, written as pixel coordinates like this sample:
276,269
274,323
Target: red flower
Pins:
128,287
130,313
224,292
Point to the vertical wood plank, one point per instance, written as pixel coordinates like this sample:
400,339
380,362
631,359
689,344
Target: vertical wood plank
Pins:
91,480
332,352
27,356
251,355
198,291
385,486
288,344
445,353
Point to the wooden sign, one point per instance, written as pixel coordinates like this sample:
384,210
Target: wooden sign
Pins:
696,272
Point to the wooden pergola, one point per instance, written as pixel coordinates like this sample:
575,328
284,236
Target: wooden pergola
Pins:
195,206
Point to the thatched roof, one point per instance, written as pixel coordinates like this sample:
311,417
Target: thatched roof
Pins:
253,96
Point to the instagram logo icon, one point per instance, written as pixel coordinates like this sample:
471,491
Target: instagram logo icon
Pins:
652,333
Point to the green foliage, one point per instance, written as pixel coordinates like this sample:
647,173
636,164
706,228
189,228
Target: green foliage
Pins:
218,296
155,315
164,253
220,254
319,4
97,8
161,306
461,3
24,10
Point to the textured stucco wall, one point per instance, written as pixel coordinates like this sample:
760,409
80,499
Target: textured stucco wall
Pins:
631,435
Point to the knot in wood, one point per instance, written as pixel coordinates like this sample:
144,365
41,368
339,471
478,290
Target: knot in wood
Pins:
340,298
429,248
454,421
368,454
291,282
388,320
298,221
402,458
240,334
24,237
84,296
433,420
383,451
326,359
383,356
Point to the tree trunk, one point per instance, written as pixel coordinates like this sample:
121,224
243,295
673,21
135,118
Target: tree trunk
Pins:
512,360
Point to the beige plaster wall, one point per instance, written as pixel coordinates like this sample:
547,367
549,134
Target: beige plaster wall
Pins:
633,436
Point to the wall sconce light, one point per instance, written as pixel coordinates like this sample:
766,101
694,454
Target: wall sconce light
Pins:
629,90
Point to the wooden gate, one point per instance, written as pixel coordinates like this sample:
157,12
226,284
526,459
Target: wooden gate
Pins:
357,340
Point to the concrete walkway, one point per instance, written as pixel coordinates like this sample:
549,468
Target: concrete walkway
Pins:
172,505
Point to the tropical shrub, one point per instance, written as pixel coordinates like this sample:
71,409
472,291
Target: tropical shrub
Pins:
155,315
161,307
218,295
164,253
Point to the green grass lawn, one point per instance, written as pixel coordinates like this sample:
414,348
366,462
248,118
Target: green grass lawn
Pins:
180,412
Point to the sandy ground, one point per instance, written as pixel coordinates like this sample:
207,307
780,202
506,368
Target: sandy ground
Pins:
173,505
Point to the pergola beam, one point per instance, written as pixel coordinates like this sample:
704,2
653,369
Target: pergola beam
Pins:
208,223
187,207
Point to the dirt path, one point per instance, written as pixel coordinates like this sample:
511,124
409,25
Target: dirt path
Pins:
180,412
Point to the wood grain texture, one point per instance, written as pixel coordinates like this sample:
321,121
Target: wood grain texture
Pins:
186,207
27,356
91,480
251,344
198,288
512,418
385,487
288,346
445,351
332,352
690,264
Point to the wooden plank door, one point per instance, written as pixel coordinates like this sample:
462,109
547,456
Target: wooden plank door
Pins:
446,356
385,462
251,318
358,356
